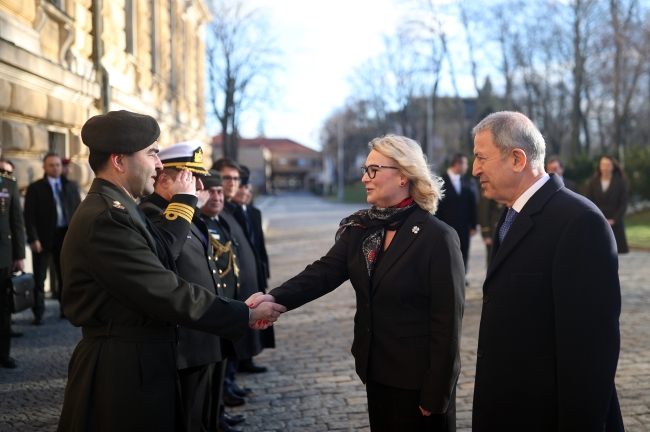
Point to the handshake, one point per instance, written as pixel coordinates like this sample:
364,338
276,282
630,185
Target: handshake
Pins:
264,311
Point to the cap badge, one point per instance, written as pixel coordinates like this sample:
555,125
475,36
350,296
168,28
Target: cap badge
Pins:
198,155
416,229
118,205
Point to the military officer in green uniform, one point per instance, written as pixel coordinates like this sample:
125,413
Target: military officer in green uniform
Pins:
12,254
489,212
120,284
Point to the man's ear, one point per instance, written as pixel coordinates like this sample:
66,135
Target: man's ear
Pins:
117,160
519,160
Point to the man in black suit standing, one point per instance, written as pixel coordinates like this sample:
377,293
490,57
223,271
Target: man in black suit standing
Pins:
458,207
555,165
549,336
49,205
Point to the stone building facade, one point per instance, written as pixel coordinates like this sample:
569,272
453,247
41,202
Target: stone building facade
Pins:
63,61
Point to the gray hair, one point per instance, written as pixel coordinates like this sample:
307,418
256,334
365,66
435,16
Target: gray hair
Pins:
511,130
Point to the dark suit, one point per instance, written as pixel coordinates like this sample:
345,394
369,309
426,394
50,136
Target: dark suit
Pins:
255,217
408,319
41,225
459,211
613,204
196,264
549,335
12,247
123,373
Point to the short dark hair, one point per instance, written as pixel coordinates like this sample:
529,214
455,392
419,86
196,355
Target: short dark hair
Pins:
456,158
225,162
49,155
555,159
98,161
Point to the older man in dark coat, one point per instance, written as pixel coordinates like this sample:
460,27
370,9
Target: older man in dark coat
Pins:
549,336
120,285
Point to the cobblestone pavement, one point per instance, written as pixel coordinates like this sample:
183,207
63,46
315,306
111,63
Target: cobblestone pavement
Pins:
311,384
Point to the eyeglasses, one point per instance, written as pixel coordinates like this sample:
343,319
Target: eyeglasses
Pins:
230,179
371,170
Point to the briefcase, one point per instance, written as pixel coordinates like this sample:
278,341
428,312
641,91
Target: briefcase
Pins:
20,290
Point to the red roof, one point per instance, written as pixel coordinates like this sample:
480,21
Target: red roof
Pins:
278,145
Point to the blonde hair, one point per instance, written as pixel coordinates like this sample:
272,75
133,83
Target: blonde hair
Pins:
425,187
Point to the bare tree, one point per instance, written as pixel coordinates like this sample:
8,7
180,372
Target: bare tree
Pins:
241,61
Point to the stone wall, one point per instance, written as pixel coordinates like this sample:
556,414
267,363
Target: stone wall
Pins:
54,75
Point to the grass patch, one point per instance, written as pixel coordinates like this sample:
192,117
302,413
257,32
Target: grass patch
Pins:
353,194
637,229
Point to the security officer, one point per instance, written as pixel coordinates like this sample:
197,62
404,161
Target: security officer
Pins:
195,263
120,285
489,212
12,254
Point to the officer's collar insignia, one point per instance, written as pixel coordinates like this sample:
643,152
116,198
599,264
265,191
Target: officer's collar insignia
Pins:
198,155
117,205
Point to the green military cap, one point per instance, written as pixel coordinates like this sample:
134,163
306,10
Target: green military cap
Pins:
214,179
119,132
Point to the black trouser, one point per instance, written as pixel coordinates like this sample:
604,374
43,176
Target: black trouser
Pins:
393,409
5,315
230,376
194,381
41,263
212,407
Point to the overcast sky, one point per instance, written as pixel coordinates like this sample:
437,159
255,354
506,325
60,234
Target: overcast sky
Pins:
323,41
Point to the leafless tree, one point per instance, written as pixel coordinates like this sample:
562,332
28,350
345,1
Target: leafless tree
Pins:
241,60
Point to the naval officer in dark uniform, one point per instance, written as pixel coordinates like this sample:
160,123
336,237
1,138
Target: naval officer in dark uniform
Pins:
12,254
120,285
195,262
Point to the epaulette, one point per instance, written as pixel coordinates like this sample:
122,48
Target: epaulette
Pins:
111,203
7,176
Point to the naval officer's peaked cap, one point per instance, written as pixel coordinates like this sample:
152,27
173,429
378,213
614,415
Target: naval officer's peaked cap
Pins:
119,132
184,155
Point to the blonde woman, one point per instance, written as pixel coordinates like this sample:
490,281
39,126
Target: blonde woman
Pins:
407,270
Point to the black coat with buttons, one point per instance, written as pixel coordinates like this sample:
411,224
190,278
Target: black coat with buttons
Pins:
549,335
408,321
195,263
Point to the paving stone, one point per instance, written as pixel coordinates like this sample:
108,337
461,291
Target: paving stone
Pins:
311,384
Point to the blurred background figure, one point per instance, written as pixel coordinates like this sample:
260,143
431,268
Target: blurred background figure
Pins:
608,189
489,212
458,206
49,205
555,165
65,167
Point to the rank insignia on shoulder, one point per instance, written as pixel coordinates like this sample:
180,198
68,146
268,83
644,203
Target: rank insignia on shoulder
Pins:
118,205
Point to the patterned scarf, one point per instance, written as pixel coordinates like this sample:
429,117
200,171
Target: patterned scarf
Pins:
375,221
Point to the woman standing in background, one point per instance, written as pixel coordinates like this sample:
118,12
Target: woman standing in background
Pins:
608,190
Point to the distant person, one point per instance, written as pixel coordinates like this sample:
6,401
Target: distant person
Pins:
7,168
555,165
50,204
549,338
408,275
12,256
608,190
489,213
458,207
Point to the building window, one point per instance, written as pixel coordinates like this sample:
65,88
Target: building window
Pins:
130,26
56,143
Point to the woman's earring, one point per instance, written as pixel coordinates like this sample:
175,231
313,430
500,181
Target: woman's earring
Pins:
401,184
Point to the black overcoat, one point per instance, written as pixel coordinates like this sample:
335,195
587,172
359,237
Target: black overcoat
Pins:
40,209
12,233
549,334
613,204
255,216
459,211
194,262
123,374
408,321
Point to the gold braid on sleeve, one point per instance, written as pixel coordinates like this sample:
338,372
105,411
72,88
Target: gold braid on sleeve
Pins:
219,250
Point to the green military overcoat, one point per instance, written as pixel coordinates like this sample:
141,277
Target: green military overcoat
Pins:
123,374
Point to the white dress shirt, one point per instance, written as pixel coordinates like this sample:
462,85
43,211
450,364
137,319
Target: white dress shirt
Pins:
455,180
524,197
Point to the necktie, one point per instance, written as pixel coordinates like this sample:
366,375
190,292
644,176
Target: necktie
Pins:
60,216
510,218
